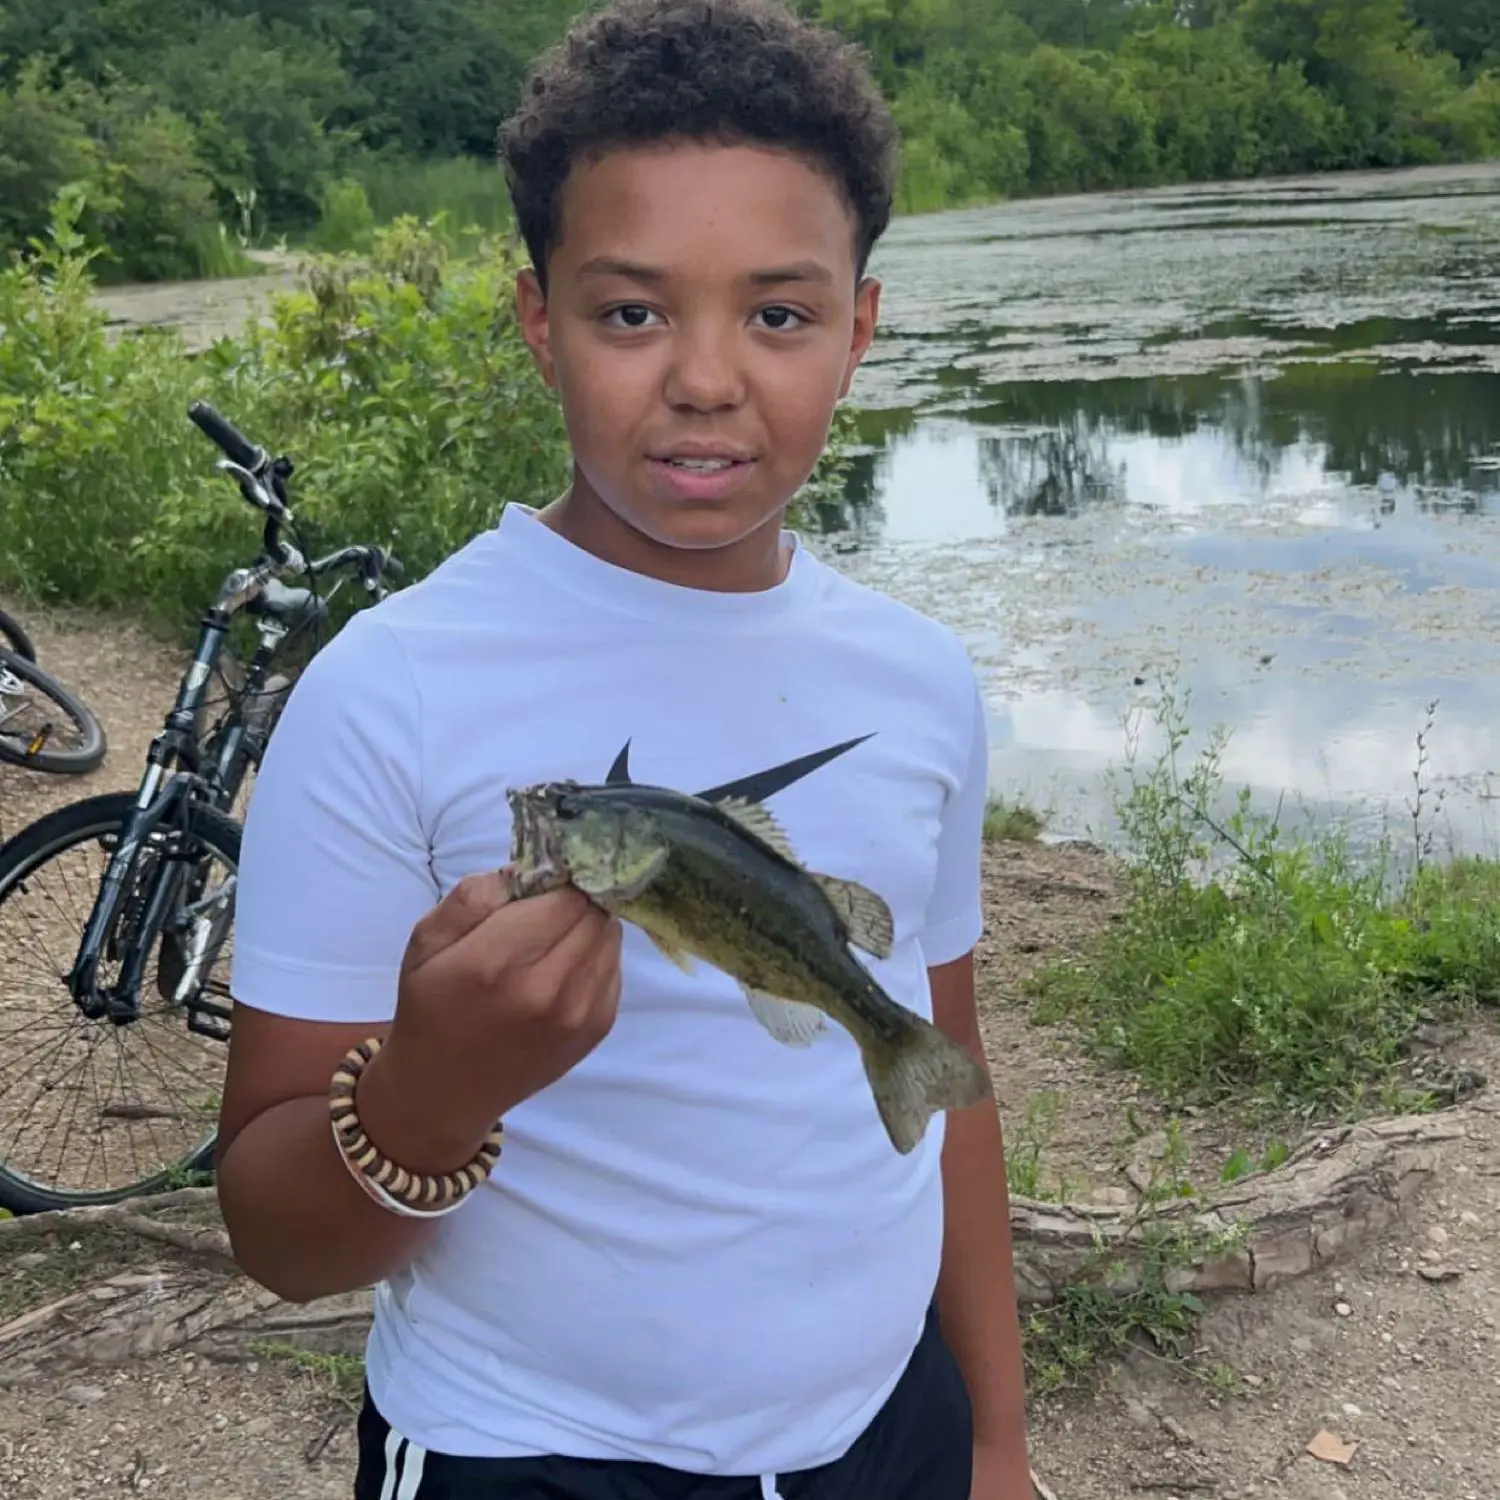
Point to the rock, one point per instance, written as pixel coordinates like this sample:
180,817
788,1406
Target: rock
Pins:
1438,1235
1343,1309
1439,1272
83,1395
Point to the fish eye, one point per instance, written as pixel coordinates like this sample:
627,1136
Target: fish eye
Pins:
569,807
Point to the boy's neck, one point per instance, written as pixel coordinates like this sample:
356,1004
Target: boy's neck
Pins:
757,561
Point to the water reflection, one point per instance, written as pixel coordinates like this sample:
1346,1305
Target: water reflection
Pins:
1260,452
1371,443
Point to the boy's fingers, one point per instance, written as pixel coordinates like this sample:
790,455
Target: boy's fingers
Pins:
474,899
560,968
522,933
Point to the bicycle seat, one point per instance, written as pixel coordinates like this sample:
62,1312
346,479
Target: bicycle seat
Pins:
293,608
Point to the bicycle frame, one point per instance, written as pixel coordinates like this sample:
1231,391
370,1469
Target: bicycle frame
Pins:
171,779
175,775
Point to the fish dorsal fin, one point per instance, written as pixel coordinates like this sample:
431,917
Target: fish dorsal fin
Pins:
863,912
756,818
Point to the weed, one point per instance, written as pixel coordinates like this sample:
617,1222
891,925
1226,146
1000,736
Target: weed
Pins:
338,1377
1250,964
1024,1146
1107,1309
1012,822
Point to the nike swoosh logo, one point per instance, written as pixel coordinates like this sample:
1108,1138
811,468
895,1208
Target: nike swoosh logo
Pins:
755,788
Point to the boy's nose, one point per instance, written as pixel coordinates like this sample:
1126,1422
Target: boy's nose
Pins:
705,376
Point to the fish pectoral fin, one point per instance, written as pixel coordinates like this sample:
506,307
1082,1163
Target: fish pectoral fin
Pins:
679,956
756,818
790,1021
864,913
631,885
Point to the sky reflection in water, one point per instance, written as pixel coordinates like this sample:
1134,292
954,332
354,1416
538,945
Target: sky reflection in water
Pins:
1287,498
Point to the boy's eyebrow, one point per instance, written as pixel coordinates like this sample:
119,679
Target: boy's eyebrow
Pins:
609,265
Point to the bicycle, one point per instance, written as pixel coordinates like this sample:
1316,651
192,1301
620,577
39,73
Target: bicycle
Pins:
31,746
156,894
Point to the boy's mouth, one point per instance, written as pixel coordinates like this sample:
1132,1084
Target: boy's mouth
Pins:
703,457
706,473
702,465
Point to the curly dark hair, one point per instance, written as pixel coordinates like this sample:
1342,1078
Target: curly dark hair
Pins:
730,71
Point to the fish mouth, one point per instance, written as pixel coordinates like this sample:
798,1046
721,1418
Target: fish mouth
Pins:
536,848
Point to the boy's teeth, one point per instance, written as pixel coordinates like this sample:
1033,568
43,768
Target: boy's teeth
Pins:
701,463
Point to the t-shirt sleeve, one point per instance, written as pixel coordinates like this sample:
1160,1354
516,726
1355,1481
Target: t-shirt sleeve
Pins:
955,912
334,869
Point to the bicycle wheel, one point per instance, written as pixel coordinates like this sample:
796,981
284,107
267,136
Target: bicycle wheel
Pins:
15,638
31,700
66,1082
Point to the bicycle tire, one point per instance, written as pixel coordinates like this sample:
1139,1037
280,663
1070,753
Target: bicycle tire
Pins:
46,838
55,762
13,636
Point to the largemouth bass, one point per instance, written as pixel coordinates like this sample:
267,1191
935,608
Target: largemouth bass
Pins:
717,881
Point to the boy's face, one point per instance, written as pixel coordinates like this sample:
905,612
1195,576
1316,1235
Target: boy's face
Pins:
702,322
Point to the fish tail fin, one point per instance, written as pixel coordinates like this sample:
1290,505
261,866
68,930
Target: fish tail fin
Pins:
921,1072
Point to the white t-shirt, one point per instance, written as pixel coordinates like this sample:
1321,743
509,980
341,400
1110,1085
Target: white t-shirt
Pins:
699,1247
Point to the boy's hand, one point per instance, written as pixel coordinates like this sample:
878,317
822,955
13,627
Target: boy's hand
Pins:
498,998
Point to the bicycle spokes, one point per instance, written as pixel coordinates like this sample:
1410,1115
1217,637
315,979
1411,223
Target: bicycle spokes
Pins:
98,1103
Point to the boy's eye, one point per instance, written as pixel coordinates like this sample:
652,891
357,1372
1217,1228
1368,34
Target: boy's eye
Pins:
632,314
779,317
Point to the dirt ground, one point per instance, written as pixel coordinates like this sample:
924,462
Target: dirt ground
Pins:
1394,1349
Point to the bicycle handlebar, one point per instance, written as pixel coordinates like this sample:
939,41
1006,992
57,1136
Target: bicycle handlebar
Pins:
232,443
250,465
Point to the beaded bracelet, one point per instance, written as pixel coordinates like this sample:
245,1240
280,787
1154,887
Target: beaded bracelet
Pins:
414,1195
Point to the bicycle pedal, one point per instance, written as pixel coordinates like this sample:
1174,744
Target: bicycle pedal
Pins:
209,1026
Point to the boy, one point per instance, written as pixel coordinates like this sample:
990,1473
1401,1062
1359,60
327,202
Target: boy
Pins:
697,1268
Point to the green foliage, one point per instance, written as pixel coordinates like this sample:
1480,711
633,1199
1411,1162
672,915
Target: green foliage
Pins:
398,383
1012,822
1296,972
1065,95
266,110
464,193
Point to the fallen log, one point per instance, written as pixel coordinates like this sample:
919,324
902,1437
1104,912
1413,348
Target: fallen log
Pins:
1335,1190
1248,1236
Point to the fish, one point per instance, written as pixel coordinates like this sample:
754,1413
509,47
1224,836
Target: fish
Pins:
716,881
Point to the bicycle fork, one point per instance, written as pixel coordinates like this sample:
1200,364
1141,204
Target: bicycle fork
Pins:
120,1002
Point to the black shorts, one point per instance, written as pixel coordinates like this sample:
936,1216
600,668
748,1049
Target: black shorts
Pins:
919,1447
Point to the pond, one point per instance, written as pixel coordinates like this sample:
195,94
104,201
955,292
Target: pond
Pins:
1243,439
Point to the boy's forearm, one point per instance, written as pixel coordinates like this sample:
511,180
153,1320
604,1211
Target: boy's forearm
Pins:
976,1287
976,1284
298,1222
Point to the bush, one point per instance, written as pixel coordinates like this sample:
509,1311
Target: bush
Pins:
399,384
1247,962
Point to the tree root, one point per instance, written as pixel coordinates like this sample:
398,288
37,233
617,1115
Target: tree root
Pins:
1261,1230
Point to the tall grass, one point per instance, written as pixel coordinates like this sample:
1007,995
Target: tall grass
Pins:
471,193
1294,971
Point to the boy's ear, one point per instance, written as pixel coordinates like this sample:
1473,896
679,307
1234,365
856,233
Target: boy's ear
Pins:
866,316
531,314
